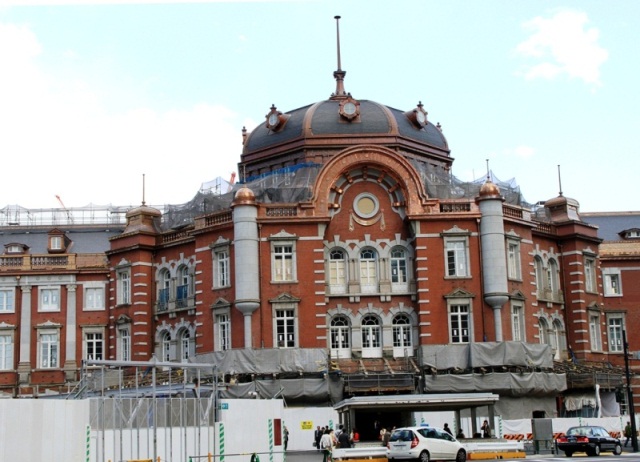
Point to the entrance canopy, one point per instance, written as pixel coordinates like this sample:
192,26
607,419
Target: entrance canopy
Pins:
424,402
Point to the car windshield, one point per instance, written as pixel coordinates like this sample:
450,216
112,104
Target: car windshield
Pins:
401,435
579,431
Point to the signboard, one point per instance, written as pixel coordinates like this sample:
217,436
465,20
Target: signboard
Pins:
306,425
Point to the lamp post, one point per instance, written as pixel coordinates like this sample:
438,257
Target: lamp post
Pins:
632,412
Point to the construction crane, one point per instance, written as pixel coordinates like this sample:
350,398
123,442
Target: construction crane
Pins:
232,180
66,210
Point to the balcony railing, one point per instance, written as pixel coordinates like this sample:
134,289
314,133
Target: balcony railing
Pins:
46,261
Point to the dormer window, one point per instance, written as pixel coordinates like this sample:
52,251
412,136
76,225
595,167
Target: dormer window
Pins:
58,243
15,249
633,233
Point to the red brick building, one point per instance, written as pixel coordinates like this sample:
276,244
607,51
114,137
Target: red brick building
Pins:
349,238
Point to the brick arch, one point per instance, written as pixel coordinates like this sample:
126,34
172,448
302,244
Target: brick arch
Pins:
394,166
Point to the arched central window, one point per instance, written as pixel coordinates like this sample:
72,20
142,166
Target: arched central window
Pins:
186,345
543,329
399,276
166,346
183,290
164,290
340,333
368,271
371,337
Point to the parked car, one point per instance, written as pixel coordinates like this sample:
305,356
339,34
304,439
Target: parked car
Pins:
590,439
424,444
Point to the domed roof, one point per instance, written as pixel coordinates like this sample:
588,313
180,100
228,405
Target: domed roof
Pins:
375,124
488,190
244,196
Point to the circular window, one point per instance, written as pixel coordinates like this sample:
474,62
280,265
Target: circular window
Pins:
366,205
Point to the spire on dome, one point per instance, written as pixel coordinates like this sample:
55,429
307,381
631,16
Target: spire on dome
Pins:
339,73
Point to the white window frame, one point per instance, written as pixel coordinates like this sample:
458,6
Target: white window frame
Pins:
595,332
402,334
49,298
123,283
222,267
164,289
285,326
612,282
590,282
8,300
94,296
6,350
615,327
183,284
283,261
186,345
553,272
124,343
222,328
337,271
371,336
55,242
368,270
543,331
48,348
93,336
514,264
340,336
456,257
459,313
399,264
517,322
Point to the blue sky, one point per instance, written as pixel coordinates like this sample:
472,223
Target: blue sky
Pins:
94,95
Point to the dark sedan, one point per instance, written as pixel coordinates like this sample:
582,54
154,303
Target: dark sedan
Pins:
590,439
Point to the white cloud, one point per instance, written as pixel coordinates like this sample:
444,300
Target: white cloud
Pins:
59,139
563,45
522,152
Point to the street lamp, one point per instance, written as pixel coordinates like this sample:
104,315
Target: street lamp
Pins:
632,412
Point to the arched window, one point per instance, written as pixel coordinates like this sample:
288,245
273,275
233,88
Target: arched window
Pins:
552,277
543,330
557,341
368,271
337,273
164,288
165,346
402,342
340,334
540,276
399,276
371,337
184,287
186,345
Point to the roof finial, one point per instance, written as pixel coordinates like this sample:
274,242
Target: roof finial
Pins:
143,190
488,171
339,73
559,180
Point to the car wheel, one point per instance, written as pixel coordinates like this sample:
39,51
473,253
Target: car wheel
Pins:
617,450
596,450
568,453
424,457
461,456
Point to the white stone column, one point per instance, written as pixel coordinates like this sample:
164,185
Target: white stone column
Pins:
24,364
70,363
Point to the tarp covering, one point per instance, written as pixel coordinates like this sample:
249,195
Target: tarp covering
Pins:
502,383
511,407
292,390
266,361
488,354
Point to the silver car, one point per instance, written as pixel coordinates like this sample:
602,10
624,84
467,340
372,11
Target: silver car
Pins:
424,444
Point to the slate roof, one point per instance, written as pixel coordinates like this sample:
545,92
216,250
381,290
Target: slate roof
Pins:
610,224
83,240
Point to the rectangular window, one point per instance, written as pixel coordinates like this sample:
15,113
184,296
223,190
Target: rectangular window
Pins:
94,346
459,320
124,287
456,258
517,322
285,324
615,333
611,281
7,297
93,298
282,260
49,299
221,271
224,332
49,350
56,242
124,344
6,352
513,260
590,275
594,332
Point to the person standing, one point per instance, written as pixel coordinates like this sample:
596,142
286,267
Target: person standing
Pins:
326,444
447,429
627,433
316,437
486,429
286,437
386,437
343,439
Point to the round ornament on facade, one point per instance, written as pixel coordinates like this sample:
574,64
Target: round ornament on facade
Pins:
366,205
